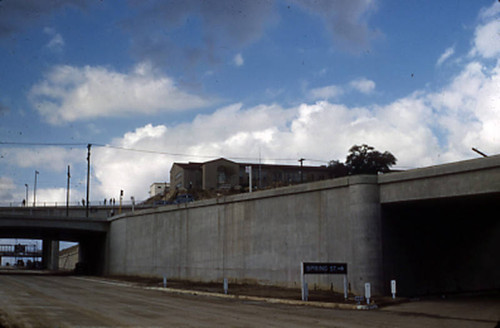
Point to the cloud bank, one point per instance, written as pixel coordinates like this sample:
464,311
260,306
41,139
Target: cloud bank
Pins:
70,93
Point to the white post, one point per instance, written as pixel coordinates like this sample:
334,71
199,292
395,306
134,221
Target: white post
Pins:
164,281
248,169
393,288
225,286
368,293
345,286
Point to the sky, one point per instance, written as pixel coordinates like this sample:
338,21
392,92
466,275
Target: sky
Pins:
149,83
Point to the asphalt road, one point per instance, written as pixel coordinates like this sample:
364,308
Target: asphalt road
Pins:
66,301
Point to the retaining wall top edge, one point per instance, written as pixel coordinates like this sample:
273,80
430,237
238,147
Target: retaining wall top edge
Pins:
277,192
442,169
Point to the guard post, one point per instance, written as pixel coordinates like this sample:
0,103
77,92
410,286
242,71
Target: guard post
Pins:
322,268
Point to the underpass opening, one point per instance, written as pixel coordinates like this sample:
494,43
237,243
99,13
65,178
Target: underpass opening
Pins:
21,253
91,246
442,246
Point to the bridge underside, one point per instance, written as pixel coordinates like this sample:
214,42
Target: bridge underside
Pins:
442,245
92,245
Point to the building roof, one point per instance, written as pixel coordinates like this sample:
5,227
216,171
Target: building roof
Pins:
197,165
190,165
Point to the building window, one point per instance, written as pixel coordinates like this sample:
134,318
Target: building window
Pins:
221,175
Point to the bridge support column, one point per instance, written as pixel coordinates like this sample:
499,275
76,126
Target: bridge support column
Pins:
366,235
50,254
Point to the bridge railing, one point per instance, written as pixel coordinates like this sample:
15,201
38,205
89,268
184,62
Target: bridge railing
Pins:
20,250
75,210
138,204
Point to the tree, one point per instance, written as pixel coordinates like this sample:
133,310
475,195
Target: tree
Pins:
337,169
365,159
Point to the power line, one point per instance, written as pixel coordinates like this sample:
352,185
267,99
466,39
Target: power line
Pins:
59,144
147,151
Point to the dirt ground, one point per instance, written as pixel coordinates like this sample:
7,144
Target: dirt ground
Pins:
257,290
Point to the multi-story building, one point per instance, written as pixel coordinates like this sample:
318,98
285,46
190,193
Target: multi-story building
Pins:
223,174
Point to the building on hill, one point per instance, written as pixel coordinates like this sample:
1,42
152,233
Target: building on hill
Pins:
223,174
158,188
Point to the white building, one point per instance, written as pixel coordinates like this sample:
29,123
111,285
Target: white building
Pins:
158,188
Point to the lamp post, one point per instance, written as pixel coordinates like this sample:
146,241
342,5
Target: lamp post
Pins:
26,202
89,146
67,192
34,189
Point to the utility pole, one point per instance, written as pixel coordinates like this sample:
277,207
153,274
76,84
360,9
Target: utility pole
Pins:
121,198
26,202
260,171
67,194
89,146
34,189
248,169
301,172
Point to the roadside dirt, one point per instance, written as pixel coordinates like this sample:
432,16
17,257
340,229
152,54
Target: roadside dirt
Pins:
315,295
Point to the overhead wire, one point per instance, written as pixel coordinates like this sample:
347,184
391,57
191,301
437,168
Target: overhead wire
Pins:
60,144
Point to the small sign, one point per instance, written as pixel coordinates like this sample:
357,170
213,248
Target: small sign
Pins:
324,268
247,169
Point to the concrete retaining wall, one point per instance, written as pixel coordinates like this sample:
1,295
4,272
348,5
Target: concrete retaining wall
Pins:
260,237
68,258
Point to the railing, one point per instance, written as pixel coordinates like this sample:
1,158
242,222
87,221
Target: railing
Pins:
73,204
20,250
75,211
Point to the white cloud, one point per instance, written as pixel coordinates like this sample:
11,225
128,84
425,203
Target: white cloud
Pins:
7,189
423,128
56,42
70,93
238,60
54,159
487,35
468,109
445,55
363,85
487,40
325,93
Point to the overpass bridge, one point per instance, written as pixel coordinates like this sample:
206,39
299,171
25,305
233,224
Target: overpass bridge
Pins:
434,229
52,224
90,233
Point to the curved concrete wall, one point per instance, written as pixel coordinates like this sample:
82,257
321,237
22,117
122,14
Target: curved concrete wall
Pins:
260,237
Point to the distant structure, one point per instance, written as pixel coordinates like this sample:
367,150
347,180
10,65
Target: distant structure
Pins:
223,174
158,188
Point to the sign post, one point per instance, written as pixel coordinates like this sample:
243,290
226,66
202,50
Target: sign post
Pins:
393,288
368,292
322,268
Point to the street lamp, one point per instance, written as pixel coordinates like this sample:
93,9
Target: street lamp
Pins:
26,201
34,189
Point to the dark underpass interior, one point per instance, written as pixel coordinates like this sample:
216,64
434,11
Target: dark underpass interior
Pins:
442,246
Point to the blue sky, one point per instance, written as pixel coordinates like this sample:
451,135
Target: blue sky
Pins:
279,80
